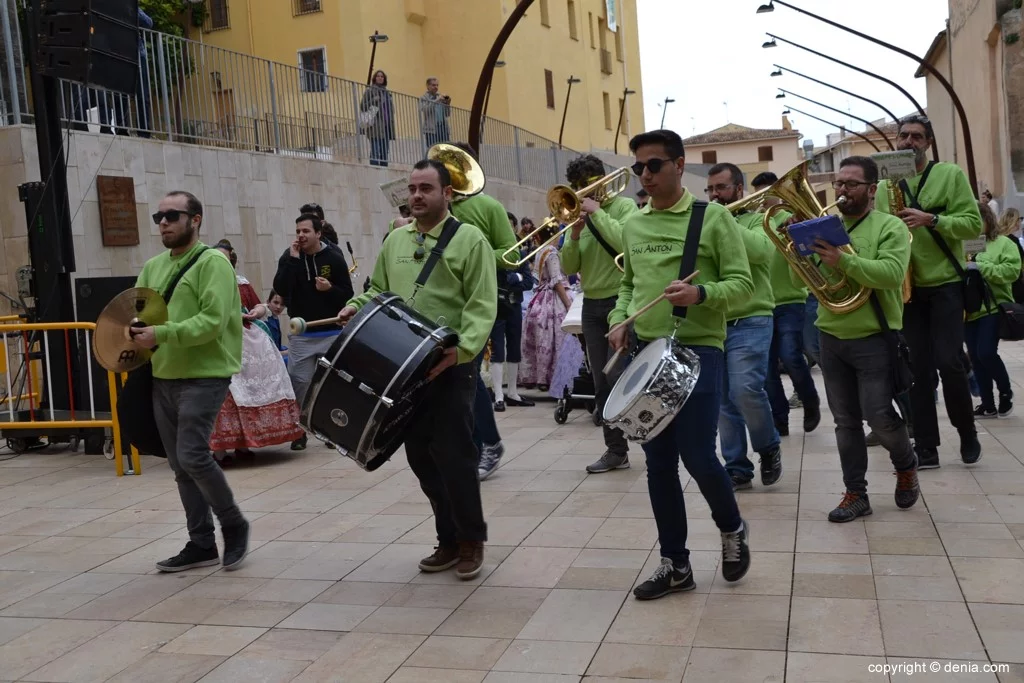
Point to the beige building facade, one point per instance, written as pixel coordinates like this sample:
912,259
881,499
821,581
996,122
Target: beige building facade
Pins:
754,150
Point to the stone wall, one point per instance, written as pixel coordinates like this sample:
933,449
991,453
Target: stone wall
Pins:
250,198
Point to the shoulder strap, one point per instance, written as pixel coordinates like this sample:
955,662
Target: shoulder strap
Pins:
450,226
947,251
879,313
181,273
914,202
600,240
689,260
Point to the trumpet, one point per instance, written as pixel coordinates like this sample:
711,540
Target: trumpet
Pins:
566,207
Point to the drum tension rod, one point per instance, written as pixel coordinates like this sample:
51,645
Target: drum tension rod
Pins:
366,389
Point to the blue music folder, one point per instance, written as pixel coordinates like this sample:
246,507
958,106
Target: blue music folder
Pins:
829,229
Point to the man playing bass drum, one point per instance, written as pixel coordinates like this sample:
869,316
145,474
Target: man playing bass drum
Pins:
462,289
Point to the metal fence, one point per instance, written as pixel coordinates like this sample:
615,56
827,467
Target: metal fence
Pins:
194,93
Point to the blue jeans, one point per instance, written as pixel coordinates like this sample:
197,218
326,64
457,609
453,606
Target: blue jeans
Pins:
788,346
983,346
744,400
812,338
379,148
485,428
692,437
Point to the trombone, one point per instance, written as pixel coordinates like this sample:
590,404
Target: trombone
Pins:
566,206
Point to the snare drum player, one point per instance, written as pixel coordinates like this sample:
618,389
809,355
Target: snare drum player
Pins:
462,289
654,244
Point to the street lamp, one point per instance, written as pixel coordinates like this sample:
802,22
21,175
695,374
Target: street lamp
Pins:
835,125
664,108
626,92
968,146
878,130
376,38
565,111
834,87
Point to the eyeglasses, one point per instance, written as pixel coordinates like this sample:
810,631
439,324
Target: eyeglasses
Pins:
172,216
421,250
718,188
654,165
848,184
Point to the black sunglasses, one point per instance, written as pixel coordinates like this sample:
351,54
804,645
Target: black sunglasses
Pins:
654,165
172,216
421,250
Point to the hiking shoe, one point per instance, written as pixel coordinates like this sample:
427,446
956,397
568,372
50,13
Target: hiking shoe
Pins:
927,458
983,413
609,461
300,443
740,482
667,578
771,466
236,545
490,458
907,489
782,428
735,553
812,417
970,449
795,402
852,506
1005,405
471,560
190,557
444,557
872,439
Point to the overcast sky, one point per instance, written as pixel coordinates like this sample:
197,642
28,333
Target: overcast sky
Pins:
705,54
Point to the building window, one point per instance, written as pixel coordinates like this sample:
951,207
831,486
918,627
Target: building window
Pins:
710,157
822,197
607,111
313,70
590,28
217,18
619,48
306,7
549,87
602,33
545,20
622,109
573,33
764,153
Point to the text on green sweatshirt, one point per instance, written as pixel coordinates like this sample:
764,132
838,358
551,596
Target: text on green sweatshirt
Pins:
490,218
586,256
759,250
999,265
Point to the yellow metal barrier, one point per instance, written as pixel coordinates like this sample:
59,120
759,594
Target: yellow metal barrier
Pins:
58,419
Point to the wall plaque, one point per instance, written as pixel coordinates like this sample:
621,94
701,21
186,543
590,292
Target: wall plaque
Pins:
119,220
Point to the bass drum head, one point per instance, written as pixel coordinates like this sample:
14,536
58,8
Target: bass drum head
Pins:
635,378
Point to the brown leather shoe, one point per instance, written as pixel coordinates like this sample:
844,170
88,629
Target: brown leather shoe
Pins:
444,557
471,559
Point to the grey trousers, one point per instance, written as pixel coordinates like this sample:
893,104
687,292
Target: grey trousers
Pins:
303,353
185,411
595,327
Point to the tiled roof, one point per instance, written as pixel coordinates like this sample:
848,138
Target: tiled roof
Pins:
736,133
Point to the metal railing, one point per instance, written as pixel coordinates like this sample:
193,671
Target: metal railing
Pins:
195,93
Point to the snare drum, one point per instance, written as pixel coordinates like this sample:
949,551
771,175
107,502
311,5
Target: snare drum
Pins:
652,389
369,386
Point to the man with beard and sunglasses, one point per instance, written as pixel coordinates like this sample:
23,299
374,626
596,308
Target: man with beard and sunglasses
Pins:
941,212
197,351
463,290
857,355
748,339
655,243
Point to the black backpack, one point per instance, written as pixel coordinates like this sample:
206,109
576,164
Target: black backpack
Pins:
1018,284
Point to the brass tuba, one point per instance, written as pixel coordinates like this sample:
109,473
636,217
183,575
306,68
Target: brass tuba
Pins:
833,290
467,176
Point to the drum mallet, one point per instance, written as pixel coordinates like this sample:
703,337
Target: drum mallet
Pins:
298,325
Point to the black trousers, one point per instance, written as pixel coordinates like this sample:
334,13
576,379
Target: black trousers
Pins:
595,327
442,455
933,324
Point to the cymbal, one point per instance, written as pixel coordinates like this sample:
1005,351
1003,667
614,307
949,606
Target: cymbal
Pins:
111,345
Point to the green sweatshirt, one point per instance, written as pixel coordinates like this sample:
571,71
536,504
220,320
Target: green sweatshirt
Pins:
203,335
653,243
882,253
586,256
759,250
489,216
1000,265
784,288
948,194
463,289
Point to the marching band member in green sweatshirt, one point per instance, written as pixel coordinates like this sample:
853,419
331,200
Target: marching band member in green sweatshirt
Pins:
654,241
941,211
855,352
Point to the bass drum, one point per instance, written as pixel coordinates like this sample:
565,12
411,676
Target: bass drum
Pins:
652,389
369,386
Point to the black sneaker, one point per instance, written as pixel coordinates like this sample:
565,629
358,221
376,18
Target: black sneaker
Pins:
735,553
771,466
236,545
908,490
1005,405
740,482
983,413
852,506
667,578
609,461
519,402
300,443
812,417
970,449
190,557
782,428
872,439
927,458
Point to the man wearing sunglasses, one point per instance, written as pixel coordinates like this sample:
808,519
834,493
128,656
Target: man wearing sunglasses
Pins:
748,341
941,213
198,349
462,289
654,244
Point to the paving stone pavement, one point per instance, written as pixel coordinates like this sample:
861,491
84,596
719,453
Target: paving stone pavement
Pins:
331,590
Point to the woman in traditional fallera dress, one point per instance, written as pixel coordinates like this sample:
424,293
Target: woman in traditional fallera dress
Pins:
260,408
542,327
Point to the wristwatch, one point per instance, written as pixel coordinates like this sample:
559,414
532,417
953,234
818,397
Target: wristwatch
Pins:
702,294
935,220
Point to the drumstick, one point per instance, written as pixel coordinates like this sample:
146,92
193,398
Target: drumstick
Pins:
298,325
611,361
649,306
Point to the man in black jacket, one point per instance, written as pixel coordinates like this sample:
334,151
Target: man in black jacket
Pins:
313,278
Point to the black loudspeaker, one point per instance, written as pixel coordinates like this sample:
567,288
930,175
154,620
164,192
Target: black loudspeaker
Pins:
92,42
92,294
